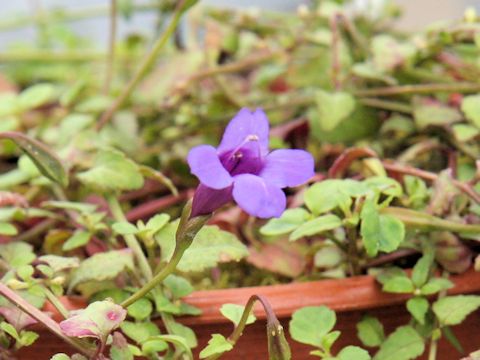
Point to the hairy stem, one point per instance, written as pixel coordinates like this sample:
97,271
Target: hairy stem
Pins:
56,303
187,229
273,326
130,239
48,322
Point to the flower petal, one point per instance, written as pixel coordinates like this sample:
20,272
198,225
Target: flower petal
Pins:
244,125
205,164
284,167
207,200
258,197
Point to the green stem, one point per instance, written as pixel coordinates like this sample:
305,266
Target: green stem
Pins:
130,239
352,253
157,279
56,303
48,322
421,220
111,46
386,105
187,229
144,67
461,87
432,354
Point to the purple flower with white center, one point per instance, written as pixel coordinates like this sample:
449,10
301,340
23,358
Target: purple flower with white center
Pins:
243,169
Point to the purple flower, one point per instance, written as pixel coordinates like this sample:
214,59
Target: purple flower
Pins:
243,169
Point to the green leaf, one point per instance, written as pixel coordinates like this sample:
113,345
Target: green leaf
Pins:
78,239
465,132
403,344
370,331
25,272
379,232
27,338
329,194
329,339
44,159
10,330
7,229
139,331
289,221
399,284
156,175
418,307
452,339
112,172
124,228
36,95
209,247
17,254
329,256
421,270
234,312
452,310
353,352
60,263
471,109
384,185
216,345
435,285
310,324
60,357
157,222
153,346
428,114
140,309
102,266
316,226
179,286
185,333
333,108
176,340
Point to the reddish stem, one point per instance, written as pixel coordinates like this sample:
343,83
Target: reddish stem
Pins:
147,209
342,163
427,175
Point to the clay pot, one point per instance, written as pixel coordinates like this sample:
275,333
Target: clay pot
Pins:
351,298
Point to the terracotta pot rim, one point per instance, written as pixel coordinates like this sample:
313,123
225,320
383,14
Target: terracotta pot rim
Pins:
342,295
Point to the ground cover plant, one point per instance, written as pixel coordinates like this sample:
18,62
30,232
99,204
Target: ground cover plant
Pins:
242,148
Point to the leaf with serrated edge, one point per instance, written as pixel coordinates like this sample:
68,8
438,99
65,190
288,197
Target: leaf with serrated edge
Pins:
234,312
403,344
102,266
216,345
452,310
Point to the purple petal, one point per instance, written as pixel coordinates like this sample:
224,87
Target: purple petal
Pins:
244,126
284,167
258,197
207,200
205,164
